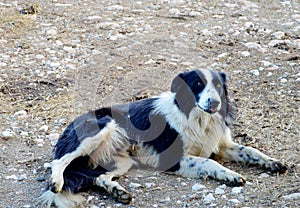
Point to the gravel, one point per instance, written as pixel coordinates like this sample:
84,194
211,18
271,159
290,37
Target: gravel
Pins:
66,57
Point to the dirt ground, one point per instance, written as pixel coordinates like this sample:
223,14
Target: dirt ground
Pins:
60,58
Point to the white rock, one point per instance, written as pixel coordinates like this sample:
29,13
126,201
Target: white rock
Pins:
266,63
149,185
249,183
245,53
47,165
249,24
283,80
51,32
255,72
197,187
150,61
176,3
14,177
53,136
222,55
292,196
174,11
24,133
224,197
256,46
209,197
219,191
20,113
39,56
27,206
95,17
178,202
133,185
90,198
194,14
44,128
2,64
278,35
274,43
7,134
115,8
183,184
108,25
69,49
234,201
54,64
178,44
236,190
206,32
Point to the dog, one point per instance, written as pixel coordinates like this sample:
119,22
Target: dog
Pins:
176,132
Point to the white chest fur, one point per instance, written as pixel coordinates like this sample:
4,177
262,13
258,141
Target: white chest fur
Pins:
201,132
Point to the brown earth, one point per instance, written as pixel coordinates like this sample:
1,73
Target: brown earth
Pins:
61,58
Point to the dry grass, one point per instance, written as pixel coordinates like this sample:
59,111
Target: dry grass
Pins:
13,23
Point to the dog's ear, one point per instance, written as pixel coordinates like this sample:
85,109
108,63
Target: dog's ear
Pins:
177,83
184,97
223,76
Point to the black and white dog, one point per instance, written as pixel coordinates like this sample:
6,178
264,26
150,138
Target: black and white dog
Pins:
176,132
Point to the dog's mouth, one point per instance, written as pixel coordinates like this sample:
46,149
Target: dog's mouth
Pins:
209,110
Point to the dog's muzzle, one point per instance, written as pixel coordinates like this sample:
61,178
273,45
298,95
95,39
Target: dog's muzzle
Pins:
212,106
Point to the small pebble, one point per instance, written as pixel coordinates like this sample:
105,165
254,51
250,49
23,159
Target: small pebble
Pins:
234,201
149,185
236,190
255,72
197,187
7,135
20,113
278,35
209,197
133,185
264,175
256,46
44,128
245,54
219,191
292,196
283,80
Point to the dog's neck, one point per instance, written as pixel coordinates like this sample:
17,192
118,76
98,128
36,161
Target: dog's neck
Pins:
196,126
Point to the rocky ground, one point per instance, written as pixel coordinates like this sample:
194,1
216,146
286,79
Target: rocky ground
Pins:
59,58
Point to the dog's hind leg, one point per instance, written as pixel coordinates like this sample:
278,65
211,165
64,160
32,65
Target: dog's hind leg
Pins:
248,155
120,194
104,139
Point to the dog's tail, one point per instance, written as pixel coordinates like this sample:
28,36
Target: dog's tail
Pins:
78,177
61,200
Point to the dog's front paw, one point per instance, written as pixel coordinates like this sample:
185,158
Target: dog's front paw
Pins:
56,183
235,180
276,167
231,178
121,195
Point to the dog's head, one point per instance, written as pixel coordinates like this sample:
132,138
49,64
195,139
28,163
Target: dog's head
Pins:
201,88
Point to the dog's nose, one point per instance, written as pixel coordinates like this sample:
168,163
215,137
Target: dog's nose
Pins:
213,103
